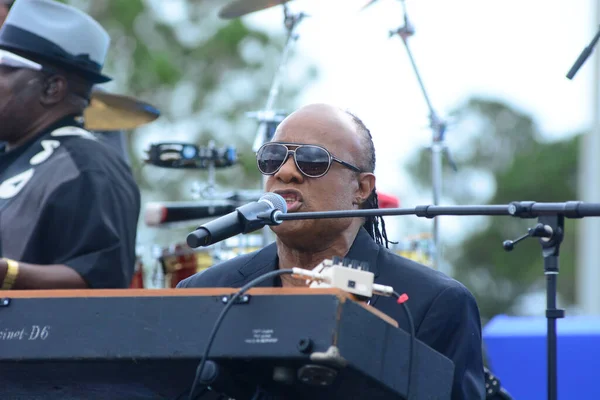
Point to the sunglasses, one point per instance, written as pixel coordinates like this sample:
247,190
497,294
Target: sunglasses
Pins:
312,161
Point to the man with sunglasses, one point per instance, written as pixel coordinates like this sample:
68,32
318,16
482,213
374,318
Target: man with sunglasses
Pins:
323,159
69,205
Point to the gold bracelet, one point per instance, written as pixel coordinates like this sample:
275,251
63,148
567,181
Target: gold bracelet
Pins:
11,274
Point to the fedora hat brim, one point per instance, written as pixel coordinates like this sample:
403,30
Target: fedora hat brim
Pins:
20,41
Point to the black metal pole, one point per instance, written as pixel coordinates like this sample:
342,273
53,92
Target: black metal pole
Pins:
519,209
551,252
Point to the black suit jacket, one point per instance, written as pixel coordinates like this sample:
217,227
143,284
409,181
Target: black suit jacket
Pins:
445,313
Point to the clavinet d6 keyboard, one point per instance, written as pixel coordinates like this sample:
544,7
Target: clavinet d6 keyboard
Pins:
146,344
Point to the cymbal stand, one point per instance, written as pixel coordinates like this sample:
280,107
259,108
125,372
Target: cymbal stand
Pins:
291,22
268,116
207,191
438,126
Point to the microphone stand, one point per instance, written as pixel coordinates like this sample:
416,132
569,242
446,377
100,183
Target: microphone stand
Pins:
585,54
549,230
438,127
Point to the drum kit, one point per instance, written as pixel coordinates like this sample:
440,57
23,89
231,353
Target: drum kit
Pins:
111,113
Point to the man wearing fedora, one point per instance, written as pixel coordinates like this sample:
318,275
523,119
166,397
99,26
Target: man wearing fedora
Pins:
69,205
113,138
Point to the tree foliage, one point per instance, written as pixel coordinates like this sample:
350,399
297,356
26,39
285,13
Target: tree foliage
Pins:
504,147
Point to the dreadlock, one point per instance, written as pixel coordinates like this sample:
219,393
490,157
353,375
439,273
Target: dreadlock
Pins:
371,223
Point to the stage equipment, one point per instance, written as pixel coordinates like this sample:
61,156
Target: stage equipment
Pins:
585,54
240,8
112,112
190,156
268,118
438,127
550,230
130,343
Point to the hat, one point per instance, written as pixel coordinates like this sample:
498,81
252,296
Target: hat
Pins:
57,33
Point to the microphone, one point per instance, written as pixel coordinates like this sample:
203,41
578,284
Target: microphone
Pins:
157,214
245,219
585,54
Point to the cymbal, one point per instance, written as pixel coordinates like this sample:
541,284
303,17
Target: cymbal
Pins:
239,8
113,112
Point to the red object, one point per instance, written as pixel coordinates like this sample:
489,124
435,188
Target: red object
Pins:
180,275
137,282
403,298
188,264
387,201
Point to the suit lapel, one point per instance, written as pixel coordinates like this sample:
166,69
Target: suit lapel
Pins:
364,248
265,260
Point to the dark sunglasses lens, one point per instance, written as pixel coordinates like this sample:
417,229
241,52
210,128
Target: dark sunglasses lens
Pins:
270,157
312,161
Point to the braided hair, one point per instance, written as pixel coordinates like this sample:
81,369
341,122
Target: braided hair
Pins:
371,223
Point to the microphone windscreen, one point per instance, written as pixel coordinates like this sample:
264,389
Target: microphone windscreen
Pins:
276,200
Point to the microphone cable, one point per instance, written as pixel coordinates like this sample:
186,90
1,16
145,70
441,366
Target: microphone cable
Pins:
219,321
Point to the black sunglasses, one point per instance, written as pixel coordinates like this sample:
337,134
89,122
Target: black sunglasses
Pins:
312,161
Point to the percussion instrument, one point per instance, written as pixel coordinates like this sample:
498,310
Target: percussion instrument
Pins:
190,156
112,112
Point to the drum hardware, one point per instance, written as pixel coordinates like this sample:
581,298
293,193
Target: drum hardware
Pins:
242,197
240,8
438,126
268,118
190,156
290,22
268,122
180,155
112,112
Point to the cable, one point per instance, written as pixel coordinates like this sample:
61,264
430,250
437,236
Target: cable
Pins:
221,317
401,299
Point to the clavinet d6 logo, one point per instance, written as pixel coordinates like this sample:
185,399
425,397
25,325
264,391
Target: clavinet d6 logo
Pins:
34,332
